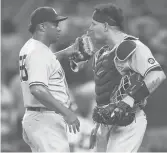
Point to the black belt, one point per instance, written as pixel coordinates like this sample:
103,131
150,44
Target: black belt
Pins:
38,109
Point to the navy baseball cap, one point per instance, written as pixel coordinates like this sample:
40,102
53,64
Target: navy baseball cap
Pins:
44,14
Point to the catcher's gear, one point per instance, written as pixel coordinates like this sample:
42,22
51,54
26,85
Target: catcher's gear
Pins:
83,50
106,75
114,114
125,49
123,114
102,114
130,85
138,89
118,112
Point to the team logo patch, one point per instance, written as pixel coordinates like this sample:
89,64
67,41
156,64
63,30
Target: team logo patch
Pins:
151,60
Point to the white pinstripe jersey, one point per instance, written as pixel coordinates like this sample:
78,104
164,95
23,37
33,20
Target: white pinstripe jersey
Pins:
38,65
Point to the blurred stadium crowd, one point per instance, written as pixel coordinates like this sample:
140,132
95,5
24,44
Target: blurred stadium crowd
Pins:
145,19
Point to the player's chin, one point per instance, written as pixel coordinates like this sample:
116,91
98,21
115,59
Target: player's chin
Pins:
55,40
98,37
99,40
58,37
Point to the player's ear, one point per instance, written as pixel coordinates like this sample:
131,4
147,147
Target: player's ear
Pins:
105,27
41,27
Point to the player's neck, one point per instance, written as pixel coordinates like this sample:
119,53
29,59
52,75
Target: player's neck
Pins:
42,39
115,37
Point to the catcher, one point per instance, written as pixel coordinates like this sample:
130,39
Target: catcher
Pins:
125,76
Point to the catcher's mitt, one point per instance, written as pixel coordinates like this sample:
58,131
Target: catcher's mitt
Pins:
114,114
118,112
83,49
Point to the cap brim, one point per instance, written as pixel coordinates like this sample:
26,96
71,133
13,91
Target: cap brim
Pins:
61,18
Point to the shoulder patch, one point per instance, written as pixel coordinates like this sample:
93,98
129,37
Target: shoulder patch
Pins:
125,49
151,60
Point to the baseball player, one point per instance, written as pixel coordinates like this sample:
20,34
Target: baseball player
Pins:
125,76
44,86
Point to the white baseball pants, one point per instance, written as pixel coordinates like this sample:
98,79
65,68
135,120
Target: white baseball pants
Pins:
122,139
45,131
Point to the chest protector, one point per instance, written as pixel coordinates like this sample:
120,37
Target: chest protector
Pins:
106,75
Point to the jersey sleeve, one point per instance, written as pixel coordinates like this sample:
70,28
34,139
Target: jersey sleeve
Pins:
38,68
142,61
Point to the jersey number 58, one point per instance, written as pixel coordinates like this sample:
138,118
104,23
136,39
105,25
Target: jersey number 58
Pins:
23,71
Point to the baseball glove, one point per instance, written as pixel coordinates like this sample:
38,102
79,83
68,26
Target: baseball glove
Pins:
114,114
117,112
83,49
102,114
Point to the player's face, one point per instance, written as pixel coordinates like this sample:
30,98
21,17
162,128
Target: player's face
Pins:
98,29
53,31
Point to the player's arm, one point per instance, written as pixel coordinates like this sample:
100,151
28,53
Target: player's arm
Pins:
154,79
65,52
82,48
41,93
38,75
142,62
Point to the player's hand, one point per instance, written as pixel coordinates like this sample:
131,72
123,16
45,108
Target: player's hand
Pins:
72,122
83,49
